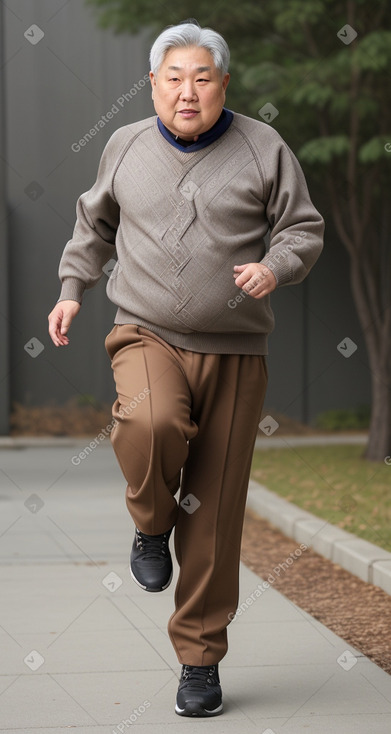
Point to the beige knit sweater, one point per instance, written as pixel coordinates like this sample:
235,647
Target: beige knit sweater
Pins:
178,222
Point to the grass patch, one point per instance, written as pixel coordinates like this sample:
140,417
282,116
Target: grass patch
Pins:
333,482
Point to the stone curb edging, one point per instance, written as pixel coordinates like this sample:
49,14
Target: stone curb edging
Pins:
24,442
363,559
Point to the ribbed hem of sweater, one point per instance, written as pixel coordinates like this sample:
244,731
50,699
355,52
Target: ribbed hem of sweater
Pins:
72,289
198,341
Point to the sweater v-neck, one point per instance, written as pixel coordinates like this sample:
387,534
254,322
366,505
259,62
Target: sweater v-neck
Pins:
204,139
182,156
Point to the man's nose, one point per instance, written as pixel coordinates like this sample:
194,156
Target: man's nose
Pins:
188,90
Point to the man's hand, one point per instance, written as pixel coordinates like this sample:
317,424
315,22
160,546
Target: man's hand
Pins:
255,279
60,320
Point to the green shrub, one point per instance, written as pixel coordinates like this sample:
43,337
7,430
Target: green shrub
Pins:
344,419
85,399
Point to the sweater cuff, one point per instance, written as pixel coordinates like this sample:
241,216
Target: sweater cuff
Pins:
72,290
281,269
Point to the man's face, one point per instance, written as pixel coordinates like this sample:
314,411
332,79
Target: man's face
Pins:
188,92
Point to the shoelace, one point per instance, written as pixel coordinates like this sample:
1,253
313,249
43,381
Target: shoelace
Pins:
198,677
154,546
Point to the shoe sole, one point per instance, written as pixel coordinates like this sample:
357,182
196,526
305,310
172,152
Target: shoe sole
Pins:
200,712
146,588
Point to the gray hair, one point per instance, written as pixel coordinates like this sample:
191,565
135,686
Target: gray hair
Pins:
189,34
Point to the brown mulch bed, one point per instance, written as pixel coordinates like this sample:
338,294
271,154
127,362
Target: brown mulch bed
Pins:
70,419
85,416
358,612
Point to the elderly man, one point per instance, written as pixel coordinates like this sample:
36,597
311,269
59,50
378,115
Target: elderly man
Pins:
185,199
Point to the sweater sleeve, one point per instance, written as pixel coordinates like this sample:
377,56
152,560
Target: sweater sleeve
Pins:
93,240
296,227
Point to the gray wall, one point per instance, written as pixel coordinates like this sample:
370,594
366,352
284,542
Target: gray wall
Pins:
4,270
56,90
307,373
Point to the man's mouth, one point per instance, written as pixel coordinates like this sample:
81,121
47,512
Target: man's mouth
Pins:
187,114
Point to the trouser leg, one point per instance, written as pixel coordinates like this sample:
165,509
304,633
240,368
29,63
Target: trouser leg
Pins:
228,395
151,438
201,414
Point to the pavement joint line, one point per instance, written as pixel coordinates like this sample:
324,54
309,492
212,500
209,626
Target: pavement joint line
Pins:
51,675
11,684
309,698
10,526
313,622
72,622
357,560
374,686
72,541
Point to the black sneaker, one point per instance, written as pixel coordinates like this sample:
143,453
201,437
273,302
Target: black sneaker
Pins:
199,692
150,561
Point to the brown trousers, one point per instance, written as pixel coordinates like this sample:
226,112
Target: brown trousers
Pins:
189,420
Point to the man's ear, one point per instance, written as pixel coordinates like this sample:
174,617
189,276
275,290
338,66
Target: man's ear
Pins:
226,80
153,81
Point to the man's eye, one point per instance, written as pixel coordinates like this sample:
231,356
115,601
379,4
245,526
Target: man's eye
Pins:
202,80
174,79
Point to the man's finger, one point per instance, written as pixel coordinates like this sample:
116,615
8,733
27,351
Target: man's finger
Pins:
60,320
65,324
54,323
263,289
55,329
250,280
243,277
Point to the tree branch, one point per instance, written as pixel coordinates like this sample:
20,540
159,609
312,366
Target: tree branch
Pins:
354,134
367,202
337,216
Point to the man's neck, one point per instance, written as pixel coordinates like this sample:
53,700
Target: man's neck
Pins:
184,141
201,140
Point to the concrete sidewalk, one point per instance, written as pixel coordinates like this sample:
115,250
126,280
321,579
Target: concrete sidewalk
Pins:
84,649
